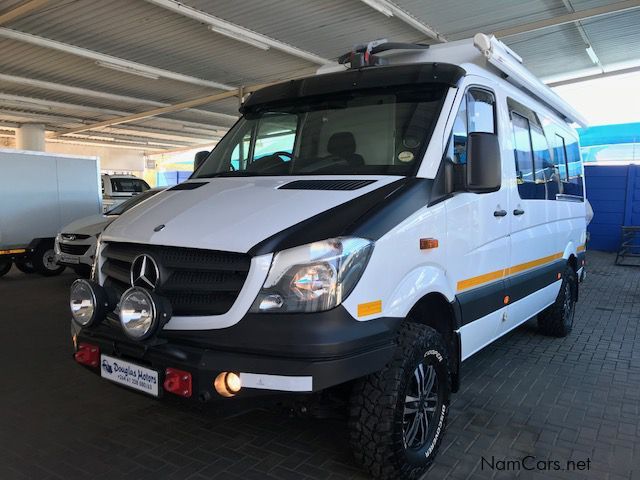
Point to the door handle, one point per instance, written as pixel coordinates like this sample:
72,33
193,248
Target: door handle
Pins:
500,213
517,211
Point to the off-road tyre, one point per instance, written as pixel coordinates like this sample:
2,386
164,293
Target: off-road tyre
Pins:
377,416
557,319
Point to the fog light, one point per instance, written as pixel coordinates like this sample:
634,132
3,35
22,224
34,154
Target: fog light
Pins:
88,302
271,302
227,384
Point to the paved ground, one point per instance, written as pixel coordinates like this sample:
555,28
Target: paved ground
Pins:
556,399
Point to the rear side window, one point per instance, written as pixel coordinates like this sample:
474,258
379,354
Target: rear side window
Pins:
574,167
560,156
524,156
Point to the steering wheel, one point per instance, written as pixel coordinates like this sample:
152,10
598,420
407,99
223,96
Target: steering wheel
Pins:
283,154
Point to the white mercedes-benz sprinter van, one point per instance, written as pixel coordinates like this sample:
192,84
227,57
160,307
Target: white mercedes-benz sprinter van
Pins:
365,230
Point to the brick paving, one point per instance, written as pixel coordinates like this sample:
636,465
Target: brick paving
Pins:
576,398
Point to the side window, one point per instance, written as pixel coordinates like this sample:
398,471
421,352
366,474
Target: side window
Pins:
560,158
457,148
476,114
481,108
524,156
574,166
275,134
541,155
241,153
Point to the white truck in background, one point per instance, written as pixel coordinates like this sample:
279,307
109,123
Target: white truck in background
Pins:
118,188
39,193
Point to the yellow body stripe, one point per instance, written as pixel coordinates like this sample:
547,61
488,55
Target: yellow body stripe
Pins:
498,274
369,308
12,251
487,277
534,263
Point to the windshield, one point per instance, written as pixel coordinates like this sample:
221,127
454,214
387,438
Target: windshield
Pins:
132,202
128,185
369,132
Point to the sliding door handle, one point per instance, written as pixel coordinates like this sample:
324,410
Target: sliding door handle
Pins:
517,211
500,213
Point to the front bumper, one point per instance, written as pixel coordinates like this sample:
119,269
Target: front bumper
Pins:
272,352
75,260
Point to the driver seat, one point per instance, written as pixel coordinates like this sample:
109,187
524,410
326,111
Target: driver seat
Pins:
343,145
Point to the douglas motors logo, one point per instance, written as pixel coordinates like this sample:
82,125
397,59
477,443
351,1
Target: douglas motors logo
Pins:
106,366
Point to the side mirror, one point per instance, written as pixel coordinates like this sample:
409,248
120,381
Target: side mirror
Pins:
484,169
199,159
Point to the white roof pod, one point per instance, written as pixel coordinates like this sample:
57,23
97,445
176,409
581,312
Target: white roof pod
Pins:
510,63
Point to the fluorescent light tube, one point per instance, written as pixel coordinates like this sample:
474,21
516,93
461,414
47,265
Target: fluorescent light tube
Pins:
380,6
132,71
592,54
239,36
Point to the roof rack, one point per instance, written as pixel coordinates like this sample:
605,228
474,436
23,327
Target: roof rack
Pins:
510,63
365,55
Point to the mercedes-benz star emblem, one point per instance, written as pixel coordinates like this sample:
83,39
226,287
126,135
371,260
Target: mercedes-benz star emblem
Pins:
145,272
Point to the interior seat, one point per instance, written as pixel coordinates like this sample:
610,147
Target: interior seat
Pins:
343,145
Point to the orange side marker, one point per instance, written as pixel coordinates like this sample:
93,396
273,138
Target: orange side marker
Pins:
428,243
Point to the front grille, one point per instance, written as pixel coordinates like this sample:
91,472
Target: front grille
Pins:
195,281
74,236
71,249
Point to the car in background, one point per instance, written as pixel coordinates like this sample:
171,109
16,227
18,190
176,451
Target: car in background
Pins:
75,247
119,188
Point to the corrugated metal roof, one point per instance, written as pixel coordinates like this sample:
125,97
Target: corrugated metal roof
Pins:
150,35
552,51
615,38
459,19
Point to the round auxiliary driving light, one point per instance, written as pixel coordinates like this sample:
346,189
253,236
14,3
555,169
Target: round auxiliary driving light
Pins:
88,302
142,313
227,384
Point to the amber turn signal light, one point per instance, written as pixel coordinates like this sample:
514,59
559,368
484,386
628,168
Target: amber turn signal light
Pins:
428,243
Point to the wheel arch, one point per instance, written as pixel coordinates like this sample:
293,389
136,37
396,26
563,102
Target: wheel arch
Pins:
436,311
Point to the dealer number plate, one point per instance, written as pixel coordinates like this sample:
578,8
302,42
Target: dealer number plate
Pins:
129,374
69,259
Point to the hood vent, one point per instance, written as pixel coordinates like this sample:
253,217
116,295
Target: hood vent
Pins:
326,184
187,186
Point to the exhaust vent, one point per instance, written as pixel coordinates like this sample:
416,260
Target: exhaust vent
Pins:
326,184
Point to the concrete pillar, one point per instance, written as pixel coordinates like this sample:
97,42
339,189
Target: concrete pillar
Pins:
30,136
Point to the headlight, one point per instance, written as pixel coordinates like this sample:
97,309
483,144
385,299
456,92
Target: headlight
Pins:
88,302
313,277
142,313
